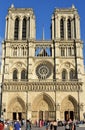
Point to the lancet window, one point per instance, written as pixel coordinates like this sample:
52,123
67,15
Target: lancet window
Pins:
72,74
24,26
15,74
62,28
18,51
69,28
62,51
64,74
23,75
16,29
15,51
67,51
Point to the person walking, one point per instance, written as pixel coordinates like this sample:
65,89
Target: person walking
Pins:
55,125
10,127
17,125
46,125
28,125
1,125
51,125
67,126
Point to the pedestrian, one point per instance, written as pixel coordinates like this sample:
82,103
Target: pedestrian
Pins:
17,125
28,125
40,123
70,125
10,127
74,127
1,125
51,125
67,126
46,125
55,125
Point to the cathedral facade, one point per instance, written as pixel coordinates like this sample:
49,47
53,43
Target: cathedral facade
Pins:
43,79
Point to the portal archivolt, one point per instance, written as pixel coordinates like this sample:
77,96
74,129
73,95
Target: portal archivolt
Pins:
16,109
69,108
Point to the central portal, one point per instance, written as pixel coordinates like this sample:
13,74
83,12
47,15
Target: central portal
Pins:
44,115
17,115
68,115
43,108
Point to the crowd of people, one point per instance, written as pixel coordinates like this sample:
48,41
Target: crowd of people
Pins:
48,125
15,125
52,125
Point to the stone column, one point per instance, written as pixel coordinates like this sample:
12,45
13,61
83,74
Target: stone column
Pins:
6,28
33,28
78,27
65,51
8,35
28,28
17,116
52,31
55,26
58,27
72,28
65,29
20,28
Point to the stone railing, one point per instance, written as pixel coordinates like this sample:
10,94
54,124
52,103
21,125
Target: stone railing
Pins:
48,85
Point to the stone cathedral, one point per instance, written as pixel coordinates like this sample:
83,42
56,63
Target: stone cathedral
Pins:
42,79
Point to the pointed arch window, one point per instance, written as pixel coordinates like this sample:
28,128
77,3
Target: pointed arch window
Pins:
23,74
62,51
72,74
62,28
69,28
15,75
69,51
24,25
16,29
64,74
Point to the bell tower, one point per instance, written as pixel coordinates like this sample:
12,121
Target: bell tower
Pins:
65,32
65,24
20,24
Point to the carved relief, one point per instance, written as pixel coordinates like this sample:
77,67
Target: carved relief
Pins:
43,105
67,65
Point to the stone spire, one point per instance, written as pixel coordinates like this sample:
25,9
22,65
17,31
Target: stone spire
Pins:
73,7
12,5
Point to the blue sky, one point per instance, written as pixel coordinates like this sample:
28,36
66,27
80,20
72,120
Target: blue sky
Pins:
43,11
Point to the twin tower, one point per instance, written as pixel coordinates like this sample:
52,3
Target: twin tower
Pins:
21,24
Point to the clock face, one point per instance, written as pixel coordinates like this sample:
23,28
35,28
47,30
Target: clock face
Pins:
43,71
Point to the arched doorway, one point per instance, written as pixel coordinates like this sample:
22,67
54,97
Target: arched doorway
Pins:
43,108
68,108
16,109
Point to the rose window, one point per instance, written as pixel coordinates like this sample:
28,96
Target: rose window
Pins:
43,71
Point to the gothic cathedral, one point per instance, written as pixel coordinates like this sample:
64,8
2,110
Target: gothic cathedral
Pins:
43,79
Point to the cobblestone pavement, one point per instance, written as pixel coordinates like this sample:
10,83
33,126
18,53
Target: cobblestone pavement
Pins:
38,128
43,128
58,128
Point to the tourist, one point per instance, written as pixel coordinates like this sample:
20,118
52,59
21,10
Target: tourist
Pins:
17,125
1,125
67,126
28,125
55,125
